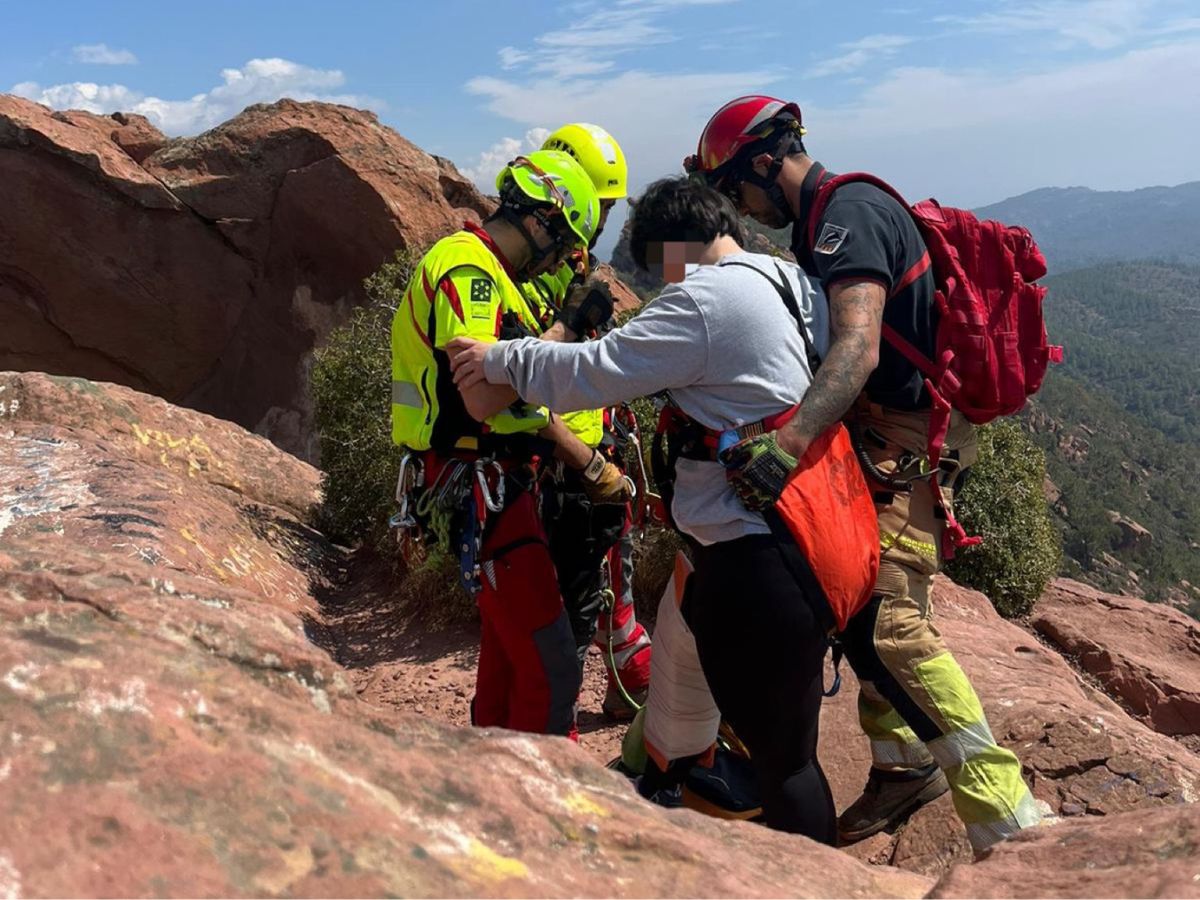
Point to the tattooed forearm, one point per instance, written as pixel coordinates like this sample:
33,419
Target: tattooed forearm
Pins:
856,315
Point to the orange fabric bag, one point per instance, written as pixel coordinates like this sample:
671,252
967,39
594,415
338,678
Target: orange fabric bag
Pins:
827,510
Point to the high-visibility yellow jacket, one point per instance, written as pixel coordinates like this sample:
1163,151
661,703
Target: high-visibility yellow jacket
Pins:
546,295
460,289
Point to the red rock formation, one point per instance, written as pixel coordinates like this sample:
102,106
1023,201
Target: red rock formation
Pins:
1147,655
205,270
1082,755
1144,854
169,730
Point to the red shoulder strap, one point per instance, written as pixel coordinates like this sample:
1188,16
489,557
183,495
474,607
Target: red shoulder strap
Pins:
825,193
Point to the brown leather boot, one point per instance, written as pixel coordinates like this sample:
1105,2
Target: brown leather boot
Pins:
889,798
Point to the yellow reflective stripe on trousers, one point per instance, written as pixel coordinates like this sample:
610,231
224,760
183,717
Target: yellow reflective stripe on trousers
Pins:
989,794
405,393
887,541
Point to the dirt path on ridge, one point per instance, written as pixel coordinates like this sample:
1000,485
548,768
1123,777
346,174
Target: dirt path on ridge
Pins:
398,661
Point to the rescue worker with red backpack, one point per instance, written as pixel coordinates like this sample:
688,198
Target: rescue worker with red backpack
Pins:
470,479
592,544
936,324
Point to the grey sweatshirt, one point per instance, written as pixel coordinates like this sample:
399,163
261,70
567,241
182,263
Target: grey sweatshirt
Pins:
721,342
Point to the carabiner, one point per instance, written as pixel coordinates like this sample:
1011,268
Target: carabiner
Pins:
404,489
497,504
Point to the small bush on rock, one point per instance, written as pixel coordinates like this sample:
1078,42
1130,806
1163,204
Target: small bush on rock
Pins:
1003,502
352,404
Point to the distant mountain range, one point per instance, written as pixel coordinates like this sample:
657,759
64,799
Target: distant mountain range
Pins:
1077,227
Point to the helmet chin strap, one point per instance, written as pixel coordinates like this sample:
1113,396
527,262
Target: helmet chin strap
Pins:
770,182
514,216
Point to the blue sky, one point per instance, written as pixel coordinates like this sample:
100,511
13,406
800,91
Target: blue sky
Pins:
970,101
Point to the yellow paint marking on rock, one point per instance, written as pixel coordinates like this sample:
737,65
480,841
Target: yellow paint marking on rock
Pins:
192,451
208,557
486,863
578,802
293,865
83,662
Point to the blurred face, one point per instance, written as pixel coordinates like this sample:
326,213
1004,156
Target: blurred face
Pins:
670,259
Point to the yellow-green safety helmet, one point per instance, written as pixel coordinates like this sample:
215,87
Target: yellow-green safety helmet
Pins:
599,154
554,178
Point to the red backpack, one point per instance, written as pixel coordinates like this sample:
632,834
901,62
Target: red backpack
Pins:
991,351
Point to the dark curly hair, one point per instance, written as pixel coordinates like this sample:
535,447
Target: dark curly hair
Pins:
680,209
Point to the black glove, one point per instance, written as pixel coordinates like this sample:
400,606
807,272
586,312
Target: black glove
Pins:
588,307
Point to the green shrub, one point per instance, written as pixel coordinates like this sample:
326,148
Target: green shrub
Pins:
1003,502
351,389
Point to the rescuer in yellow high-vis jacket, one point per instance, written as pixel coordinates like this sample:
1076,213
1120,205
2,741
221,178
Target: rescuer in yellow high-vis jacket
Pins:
592,546
480,473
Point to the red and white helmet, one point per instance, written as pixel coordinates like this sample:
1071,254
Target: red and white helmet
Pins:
735,126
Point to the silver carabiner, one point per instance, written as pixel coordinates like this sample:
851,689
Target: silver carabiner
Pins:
404,518
497,504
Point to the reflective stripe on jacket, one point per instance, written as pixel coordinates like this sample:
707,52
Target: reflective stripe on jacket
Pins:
459,289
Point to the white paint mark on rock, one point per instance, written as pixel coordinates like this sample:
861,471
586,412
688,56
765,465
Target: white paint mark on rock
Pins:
10,878
20,680
131,699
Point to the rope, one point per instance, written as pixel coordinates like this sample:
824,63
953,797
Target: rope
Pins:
608,605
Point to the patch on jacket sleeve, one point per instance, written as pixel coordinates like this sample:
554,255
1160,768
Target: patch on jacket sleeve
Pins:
831,238
481,298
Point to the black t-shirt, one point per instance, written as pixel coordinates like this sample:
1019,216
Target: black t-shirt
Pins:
864,233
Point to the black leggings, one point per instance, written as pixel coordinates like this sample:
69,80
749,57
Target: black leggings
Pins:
762,649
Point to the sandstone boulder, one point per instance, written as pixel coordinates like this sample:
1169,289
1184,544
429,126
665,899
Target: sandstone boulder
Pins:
1082,754
1150,853
168,729
1146,655
205,270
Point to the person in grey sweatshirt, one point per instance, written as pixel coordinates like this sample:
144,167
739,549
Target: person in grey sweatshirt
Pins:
721,342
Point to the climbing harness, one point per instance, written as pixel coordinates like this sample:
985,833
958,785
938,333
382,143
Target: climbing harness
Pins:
456,503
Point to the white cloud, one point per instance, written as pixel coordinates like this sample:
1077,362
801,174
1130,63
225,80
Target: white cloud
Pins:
103,55
511,57
1099,24
858,53
973,137
497,156
656,117
258,81
590,44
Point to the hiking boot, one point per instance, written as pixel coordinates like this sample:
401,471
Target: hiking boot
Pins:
616,707
671,797
888,798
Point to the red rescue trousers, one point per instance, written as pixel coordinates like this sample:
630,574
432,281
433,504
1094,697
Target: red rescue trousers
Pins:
630,642
528,677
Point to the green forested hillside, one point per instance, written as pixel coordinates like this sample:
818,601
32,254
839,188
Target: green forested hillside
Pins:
1078,227
1120,421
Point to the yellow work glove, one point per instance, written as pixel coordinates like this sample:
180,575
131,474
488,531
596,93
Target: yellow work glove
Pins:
605,484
